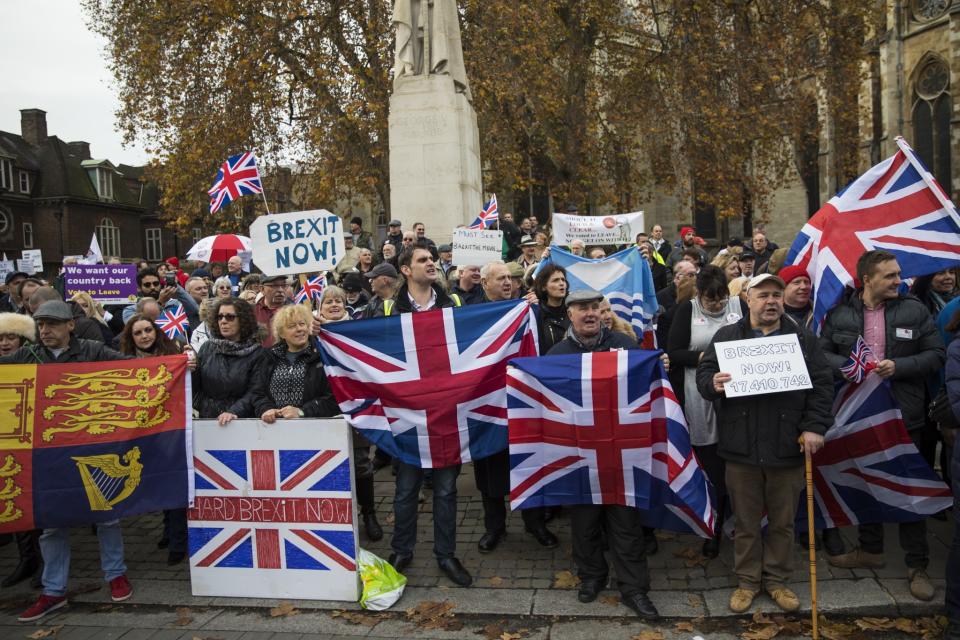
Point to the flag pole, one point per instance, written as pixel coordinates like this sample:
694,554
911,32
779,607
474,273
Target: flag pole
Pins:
811,541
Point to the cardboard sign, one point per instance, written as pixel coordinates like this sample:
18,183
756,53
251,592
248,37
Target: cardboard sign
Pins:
6,267
26,266
34,256
298,242
615,229
476,246
106,283
274,515
763,365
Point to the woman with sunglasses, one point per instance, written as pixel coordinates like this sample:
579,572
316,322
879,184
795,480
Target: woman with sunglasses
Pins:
227,363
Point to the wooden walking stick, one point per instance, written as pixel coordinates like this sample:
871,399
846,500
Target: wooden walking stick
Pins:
811,540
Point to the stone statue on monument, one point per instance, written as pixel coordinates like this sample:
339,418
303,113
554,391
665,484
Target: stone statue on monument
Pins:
428,42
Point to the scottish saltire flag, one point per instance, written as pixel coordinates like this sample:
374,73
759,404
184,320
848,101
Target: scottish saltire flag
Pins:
869,470
173,322
238,176
429,387
624,278
897,206
312,289
604,428
860,363
488,216
272,509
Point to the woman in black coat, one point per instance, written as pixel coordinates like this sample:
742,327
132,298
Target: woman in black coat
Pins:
550,286
227,363
291,383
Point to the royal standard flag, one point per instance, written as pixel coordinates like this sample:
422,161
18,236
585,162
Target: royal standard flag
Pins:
90,442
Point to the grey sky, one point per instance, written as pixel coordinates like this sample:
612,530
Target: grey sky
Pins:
50,61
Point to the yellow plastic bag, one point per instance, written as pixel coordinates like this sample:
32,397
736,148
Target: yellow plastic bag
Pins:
382,584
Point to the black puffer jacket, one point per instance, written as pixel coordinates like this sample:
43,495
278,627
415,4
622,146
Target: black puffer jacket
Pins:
318,399
223,380
912,342
79,350
763,430
553,325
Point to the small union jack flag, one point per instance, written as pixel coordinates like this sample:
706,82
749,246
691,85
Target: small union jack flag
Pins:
488,216
173,322
861,362
238,176
312,289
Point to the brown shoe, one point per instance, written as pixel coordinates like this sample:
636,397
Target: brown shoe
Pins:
741,599
857,559
785,598
920,587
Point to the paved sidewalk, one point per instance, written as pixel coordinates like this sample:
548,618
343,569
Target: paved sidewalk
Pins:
519,579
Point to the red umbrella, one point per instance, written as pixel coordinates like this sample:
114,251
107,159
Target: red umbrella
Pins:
218,248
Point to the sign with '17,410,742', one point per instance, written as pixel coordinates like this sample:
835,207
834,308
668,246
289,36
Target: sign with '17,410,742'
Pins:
298,242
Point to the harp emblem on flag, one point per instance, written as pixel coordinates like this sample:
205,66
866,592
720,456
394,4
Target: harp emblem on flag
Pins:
108,481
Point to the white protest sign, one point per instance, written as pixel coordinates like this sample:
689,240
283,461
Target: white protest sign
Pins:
6,267
298,242
26,266
273,515
246,257
35,256
621,228
763,365
476,246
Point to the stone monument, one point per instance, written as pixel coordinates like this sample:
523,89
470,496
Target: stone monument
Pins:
434,141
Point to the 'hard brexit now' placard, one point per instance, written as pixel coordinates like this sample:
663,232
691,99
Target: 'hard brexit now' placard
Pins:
763,365
298,242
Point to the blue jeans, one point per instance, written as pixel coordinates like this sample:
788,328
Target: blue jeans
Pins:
953,560
55,547
406,505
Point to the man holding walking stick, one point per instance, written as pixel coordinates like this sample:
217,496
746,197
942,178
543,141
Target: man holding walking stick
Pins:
759,432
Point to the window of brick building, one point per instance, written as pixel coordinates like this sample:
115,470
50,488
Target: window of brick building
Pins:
931,120
108,234
24,182
154,244
27,235
6,174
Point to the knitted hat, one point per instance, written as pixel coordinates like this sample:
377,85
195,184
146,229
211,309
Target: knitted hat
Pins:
792,273
685,230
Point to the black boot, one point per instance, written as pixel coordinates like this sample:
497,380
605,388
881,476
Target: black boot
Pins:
27,544
368,511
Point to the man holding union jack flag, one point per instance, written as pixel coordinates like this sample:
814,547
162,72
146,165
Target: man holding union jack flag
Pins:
902,336
759,436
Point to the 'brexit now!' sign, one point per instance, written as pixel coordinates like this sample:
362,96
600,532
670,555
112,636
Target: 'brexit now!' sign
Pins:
297,242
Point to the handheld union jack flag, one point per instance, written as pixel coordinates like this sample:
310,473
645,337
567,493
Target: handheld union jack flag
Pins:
428,387
860,363
488,216
604,428
869,470
897,206
312,289
173,322
238,176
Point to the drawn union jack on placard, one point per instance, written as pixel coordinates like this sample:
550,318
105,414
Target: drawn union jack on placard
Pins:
273,512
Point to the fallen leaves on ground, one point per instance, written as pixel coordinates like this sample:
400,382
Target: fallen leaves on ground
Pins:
691,557
927,628
355,617
835,630
283,609
46,633
391,518
434,615
565,580
683,627
612,601
183,617
694,601
648,635
764,627
497,632
496,581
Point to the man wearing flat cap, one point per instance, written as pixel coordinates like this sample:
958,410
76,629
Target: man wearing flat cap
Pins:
55,326
274,297
395,235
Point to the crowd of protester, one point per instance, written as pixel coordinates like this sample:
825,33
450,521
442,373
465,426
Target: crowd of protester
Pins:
252,354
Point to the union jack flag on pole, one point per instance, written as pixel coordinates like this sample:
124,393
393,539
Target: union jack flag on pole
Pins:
604,428
869,470
238,176
173,322
488,216
312,289
429,387
860,363
896,206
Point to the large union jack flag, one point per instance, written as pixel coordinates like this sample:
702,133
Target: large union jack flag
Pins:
488,216
869,470
238,176
428,387
273,509
896,206
604,428
173,322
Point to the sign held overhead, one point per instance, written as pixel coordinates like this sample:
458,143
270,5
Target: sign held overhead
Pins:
298,242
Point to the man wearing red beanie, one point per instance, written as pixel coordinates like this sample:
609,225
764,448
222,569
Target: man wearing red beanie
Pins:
797,295
688,240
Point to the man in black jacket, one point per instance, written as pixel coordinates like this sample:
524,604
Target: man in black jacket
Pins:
57,344
759,437
624,529
420,292
904,339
